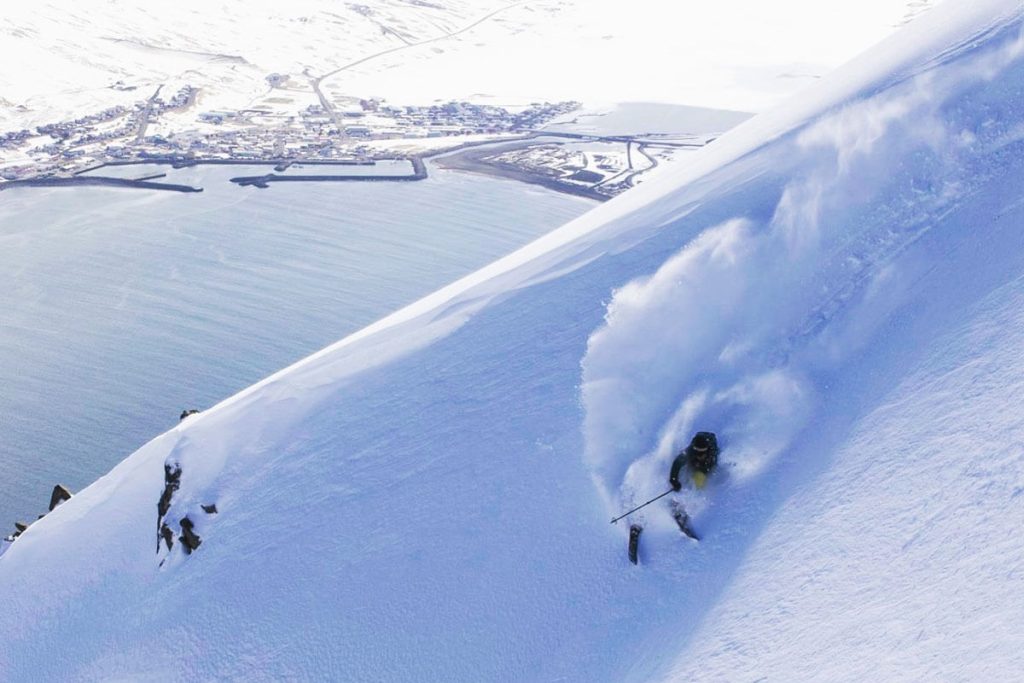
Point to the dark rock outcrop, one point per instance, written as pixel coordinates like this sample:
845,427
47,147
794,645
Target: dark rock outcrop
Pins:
172,480
186,413
59,495
167,535
189,538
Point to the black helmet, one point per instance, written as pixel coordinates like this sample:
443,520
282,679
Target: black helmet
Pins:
700,442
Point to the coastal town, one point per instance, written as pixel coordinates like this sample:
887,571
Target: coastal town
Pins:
292,121
359,130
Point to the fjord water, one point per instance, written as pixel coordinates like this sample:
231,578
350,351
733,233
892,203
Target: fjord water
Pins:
120,308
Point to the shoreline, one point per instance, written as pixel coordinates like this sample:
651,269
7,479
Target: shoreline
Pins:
466,157
182,162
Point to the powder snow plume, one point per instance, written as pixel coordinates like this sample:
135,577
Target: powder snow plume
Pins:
738,330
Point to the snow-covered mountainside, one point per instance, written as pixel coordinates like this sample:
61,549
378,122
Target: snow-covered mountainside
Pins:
834,288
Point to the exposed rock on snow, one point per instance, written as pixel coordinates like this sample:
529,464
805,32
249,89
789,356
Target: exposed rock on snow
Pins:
59,495
172,482
189,538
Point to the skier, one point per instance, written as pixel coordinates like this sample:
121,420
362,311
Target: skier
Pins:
702,457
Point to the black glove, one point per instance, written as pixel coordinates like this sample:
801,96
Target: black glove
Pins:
676,486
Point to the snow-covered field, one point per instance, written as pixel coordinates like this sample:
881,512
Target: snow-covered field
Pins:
73,54
834,287
69,56
605,51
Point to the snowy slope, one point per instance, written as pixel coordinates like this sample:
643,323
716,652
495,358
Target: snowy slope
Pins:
833,287
901,544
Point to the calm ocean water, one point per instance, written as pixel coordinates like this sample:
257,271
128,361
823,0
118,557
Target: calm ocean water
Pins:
119,308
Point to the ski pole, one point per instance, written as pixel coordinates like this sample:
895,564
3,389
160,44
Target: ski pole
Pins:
642,505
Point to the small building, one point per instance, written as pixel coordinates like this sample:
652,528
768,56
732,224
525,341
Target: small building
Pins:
215,116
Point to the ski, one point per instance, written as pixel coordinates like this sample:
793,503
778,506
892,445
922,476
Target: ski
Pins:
683,520
634,541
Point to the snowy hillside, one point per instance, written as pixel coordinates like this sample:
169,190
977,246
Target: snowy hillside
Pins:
75,54
834,288
75,61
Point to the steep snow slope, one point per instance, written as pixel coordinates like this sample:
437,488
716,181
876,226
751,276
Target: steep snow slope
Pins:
901,544
418,501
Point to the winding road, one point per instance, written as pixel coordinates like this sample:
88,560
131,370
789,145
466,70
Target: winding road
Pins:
144,118
329,108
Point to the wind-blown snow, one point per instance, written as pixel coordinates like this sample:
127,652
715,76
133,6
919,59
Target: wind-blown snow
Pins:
829,287
728,330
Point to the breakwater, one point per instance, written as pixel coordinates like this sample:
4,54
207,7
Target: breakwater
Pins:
280,168
78,181
419,172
